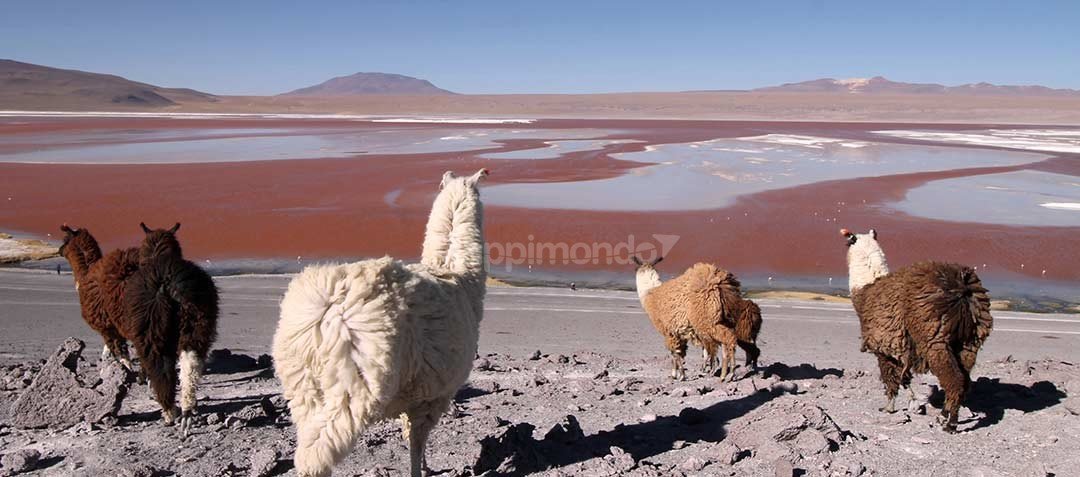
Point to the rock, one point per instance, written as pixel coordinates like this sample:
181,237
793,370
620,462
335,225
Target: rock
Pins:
539,380
601,375
681,392
567,431
783,468
562,359
535,356
234,422
812,442
20,461
784,387
620,460
58,398
138,470
510,451
214,418
268,408
647,418
692,417
262,462
482,364
693,464
728,453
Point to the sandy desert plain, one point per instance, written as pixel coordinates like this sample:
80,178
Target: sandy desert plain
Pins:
575,382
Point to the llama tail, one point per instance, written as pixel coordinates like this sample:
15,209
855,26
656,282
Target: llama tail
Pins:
152,315
966,303
333,360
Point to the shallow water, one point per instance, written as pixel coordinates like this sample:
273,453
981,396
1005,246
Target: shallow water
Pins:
711,174
136,146
1013,198
555,149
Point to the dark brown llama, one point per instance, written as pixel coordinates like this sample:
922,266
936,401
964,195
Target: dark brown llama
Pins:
929,316
174,304
100,282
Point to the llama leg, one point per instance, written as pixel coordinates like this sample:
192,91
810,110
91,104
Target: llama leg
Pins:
728,364
422,419
708,354
677,348
890,377
708,358
752,354
680,361
952,379
191,367
117,346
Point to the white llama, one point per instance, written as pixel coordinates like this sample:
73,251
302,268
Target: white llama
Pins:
371,340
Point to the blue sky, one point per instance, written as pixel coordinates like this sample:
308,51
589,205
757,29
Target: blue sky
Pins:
240,47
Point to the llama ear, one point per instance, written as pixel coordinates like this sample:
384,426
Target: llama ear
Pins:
658,260
636,260
67,230
475,179
446,178
873,233
174,228
145,229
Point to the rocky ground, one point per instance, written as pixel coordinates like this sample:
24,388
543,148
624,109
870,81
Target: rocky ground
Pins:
580,414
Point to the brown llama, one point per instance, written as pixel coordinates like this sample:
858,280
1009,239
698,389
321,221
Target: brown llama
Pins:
100,282
173,303
703,306
929,316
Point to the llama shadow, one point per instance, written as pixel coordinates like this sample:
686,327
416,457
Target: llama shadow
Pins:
802,371
992,398
224,361
468,392
640,440
226,407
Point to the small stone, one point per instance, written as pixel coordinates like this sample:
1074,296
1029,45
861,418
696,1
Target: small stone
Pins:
535,356
783,468
647,418
268,408
784,387
729,453
539,380
138,470
482,364
680,392
692,416
20,461
678,444
263,461
567,431
562,359
234,422
620,460
693,464
214,418
601,375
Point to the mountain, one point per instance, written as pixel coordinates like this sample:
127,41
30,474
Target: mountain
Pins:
881,85
29,86
370,83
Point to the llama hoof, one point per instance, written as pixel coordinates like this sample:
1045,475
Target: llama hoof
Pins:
187,422
169,416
